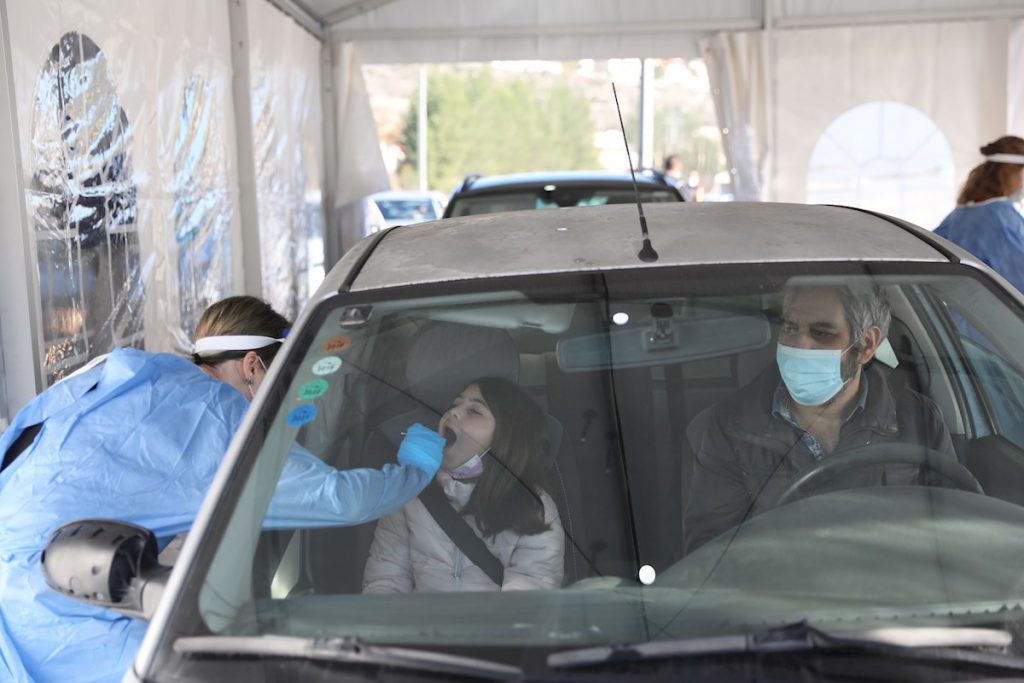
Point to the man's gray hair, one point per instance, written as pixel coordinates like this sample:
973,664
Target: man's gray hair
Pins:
865,305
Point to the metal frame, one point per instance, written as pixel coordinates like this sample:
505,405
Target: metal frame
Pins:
20,310
247,232
301,16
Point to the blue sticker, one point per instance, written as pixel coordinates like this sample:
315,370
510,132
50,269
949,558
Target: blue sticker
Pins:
304,414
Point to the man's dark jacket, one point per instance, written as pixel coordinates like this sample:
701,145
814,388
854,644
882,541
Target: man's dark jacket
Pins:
748,456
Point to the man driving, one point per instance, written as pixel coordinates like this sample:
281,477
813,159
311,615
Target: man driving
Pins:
823,397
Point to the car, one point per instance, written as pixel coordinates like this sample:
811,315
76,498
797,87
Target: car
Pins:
406,207
625,347
557,189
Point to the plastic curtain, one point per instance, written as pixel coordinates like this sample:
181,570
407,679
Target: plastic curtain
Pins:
127,132
361,169
736,72
287,115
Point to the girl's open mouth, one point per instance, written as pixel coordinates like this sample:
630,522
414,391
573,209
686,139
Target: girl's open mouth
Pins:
449,437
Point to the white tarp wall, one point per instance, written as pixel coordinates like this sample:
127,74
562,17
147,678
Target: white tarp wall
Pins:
883,117
120,162
287,125
887,117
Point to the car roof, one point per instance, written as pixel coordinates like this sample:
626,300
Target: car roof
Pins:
494,182
608,237
425,195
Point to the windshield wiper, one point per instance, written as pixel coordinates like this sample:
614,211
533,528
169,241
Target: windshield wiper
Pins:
941,643
348,650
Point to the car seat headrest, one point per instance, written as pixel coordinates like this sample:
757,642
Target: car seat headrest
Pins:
445,357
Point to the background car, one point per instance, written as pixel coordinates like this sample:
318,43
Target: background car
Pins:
406,207
557,189
624,356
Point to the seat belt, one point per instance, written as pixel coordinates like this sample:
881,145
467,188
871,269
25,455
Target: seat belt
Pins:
459,531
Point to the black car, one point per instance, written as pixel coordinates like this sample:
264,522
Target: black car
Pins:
556,189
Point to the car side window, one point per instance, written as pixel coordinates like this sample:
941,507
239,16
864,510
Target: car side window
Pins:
1000,381
1004,386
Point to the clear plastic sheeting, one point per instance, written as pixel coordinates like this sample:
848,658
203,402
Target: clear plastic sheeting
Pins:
126,126
287,114
202,208
83,209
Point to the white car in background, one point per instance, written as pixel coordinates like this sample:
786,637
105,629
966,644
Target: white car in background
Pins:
405,207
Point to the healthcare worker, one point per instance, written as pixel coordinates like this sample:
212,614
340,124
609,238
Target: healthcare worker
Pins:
139,438
985,221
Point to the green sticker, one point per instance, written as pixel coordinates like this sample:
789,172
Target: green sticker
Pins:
313,389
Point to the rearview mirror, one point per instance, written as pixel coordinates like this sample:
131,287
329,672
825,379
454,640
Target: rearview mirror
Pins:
107,564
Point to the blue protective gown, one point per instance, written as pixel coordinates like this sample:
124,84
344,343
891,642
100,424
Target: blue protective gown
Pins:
139,439
993,231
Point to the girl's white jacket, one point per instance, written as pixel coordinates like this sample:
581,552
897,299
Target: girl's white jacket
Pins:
411,552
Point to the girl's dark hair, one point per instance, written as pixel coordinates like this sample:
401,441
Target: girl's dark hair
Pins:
993,178
241,315
507,495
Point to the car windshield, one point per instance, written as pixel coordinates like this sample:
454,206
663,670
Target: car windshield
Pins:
413,210
553,197
658,489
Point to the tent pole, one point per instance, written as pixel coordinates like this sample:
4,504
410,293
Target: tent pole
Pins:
246,250
645,159
329,154
770,86
421,132
21,375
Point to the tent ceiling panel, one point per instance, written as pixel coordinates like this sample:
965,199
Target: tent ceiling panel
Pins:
470,30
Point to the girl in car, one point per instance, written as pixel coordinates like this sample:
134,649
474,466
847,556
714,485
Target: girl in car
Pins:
491,474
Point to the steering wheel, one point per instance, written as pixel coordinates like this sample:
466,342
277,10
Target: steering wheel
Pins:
880,454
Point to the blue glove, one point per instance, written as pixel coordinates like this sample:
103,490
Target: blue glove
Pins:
421,448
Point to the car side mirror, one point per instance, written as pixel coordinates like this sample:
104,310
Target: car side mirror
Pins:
108,564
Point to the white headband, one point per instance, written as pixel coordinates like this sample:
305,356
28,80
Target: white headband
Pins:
1006,158
231,342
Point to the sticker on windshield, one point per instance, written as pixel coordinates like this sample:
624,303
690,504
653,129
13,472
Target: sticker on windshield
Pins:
313,389
337,344
326,366
304,414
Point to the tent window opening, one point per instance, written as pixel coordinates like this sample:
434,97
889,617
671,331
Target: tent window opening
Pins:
82,204
888,157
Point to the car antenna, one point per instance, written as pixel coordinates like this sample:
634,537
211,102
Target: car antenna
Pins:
646,253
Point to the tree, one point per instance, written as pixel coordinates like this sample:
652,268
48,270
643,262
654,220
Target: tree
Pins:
477,123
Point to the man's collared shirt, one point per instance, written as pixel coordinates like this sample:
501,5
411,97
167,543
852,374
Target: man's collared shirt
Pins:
781,410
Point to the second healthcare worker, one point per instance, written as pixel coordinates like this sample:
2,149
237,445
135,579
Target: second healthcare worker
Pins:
985,221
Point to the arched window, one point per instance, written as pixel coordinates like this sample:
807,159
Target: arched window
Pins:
888,157
82,202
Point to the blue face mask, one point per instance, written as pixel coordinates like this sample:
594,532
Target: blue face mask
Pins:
812,376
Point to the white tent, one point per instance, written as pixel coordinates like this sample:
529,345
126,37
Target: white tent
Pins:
156,156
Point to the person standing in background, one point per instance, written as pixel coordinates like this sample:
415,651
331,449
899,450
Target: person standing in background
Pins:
985,221
675,171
